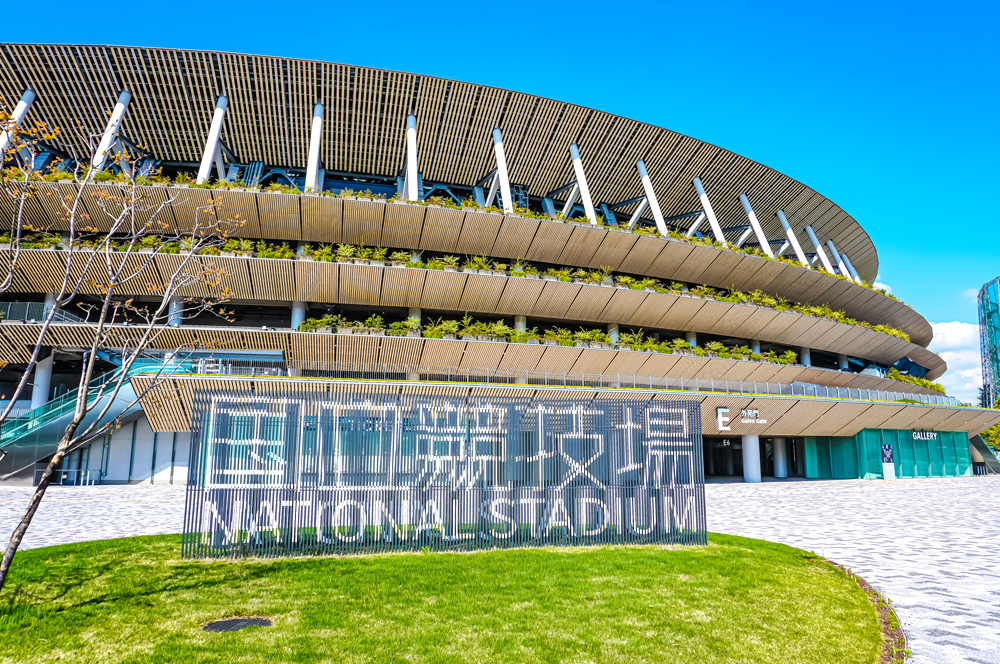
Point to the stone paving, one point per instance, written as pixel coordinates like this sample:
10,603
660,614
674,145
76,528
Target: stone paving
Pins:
931,545
78,514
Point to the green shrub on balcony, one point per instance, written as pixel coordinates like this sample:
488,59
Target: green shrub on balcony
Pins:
269,250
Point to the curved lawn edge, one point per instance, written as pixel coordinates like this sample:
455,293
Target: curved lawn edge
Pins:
895,647
737,599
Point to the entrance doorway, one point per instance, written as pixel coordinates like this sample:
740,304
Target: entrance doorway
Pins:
723,456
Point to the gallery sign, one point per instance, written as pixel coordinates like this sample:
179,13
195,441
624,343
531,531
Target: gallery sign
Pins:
363,471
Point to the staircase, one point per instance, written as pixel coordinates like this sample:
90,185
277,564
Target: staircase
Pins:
31,437
992,462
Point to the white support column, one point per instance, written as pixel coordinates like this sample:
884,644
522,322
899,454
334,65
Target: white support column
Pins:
782,249
175,313
42,382
494,187
696,224
220,165
315,138
751,459
780,457
298,313
50,303
21,110
805,356
411,192
691,338
838,259
743,238
110,135
521,323
613,332
765,246
508,204
850,268
581,182
706,205
654,206
819,250
416,314
794,241
643,204
212,144
842,363
755,346
571,200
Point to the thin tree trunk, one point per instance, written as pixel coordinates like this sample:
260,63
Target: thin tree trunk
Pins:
36,500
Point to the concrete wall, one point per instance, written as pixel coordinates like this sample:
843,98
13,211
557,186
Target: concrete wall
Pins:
135,454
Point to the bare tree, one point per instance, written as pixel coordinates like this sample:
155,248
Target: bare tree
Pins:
115,264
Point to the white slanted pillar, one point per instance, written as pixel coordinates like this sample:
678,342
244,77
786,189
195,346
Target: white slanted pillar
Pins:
508,204
819,250
841,266
706,205
315,138
110,136
21,110
793,240
643,204
654,206
581,181
850,268
212,146
411,181
765,246
697,223
574,193
743,237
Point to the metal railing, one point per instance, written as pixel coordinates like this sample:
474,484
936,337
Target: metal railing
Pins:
16,427
79,477
317,369
34,312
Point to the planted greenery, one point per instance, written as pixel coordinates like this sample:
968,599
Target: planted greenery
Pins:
895,374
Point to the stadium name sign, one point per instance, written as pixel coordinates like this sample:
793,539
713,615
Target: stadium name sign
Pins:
366,471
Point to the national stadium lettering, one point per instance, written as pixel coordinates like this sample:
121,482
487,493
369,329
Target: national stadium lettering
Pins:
367,470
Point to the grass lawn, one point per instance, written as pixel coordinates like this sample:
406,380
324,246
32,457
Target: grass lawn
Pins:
736,600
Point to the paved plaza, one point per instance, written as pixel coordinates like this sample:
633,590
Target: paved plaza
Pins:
929,545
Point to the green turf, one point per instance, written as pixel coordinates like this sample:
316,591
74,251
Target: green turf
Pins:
736,600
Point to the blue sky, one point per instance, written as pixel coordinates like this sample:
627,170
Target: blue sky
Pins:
889,109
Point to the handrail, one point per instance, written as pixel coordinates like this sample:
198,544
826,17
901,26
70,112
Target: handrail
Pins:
34,311
17,427
320,369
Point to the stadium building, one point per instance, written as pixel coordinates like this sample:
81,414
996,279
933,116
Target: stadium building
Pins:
418,233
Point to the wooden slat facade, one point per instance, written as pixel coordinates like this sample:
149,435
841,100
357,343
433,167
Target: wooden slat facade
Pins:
283,280
270,109
168,404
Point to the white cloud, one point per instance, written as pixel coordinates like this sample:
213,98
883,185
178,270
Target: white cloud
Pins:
878,284
958,345
970,293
